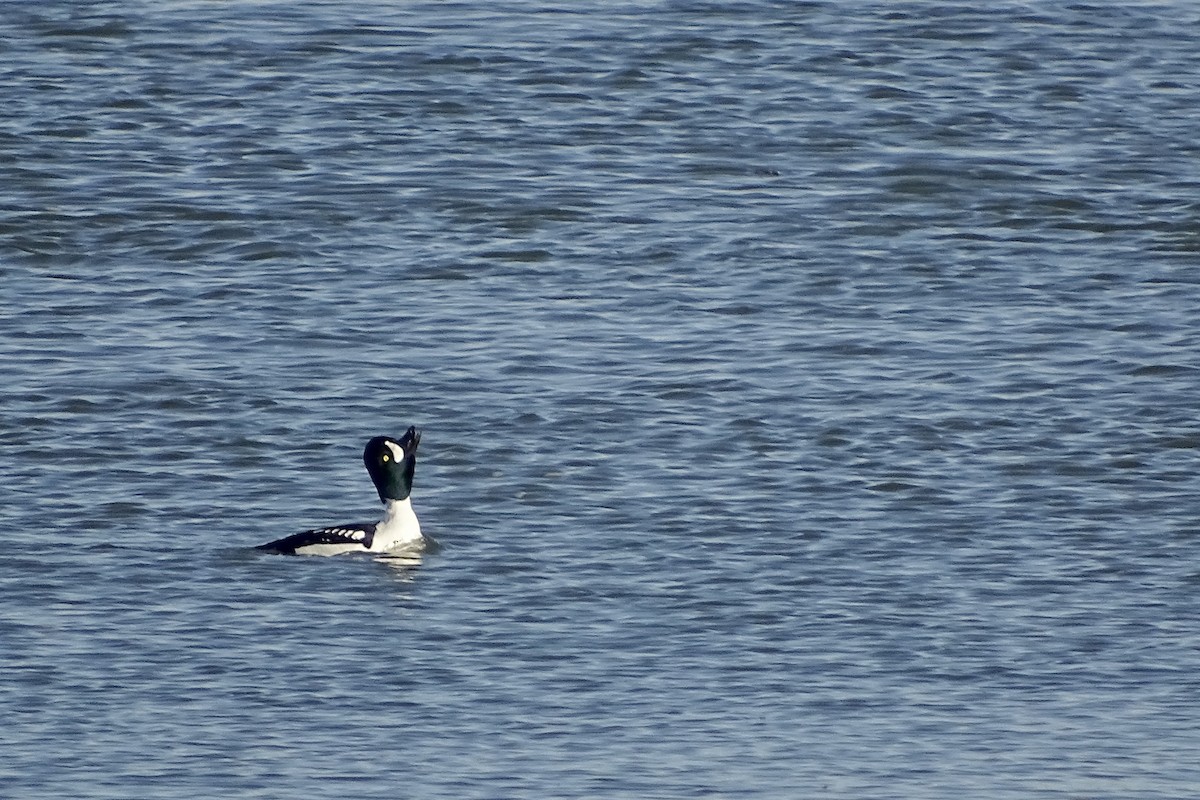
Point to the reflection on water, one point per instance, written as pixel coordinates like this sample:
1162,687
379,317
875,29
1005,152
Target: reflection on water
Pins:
405,560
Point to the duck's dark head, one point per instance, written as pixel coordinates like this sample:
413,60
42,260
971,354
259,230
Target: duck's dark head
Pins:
391,463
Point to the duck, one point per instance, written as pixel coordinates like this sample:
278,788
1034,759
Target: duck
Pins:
391,463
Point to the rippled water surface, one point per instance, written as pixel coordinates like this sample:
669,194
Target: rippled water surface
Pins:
809,395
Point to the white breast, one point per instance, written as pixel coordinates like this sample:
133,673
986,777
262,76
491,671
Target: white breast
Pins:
398,528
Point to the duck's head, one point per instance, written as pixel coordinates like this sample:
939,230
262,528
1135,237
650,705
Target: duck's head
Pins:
391,463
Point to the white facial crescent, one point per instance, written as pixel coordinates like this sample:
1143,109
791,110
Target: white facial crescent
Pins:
397,450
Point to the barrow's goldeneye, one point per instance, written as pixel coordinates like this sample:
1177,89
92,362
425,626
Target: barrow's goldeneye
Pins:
391,464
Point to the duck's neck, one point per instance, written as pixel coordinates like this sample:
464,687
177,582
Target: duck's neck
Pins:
399,525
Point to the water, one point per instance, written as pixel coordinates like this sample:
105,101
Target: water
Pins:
808,395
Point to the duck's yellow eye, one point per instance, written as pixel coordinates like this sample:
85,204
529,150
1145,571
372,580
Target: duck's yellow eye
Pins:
386,457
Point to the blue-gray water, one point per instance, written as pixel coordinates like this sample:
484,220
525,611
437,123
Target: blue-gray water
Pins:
809,395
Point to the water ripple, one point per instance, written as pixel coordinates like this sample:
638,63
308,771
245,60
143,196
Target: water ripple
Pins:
807,391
